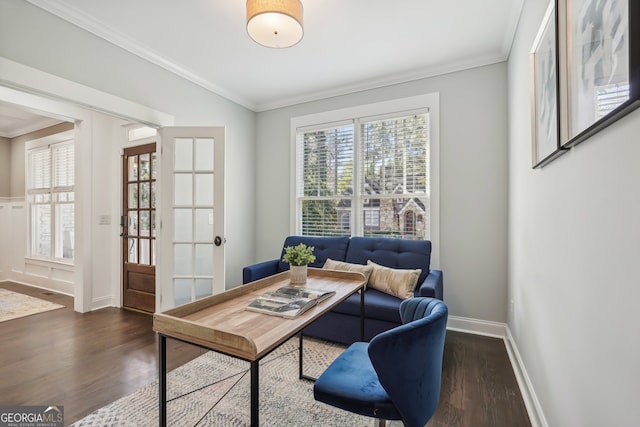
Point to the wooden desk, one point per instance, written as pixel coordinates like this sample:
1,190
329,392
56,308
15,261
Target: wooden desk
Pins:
221,323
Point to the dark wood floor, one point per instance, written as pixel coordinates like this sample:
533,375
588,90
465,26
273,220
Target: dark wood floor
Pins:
85,361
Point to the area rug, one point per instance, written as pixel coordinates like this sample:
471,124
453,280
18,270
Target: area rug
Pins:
14,305
214,390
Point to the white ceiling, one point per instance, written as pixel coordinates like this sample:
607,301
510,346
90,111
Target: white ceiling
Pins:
348,45
18,121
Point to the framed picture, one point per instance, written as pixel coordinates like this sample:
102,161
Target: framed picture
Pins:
544,92
599,65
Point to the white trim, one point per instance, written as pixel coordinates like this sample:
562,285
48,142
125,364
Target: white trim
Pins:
19,199
103,302
398,78
510,34
56,291
531,402
50,140
98,303
88,23
501,330
477,327
30,81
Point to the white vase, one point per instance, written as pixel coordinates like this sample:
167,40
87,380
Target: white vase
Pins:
298,274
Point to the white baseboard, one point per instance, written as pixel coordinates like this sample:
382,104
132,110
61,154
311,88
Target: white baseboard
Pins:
97,303
531,402
478,327
49,289
103,302
501,330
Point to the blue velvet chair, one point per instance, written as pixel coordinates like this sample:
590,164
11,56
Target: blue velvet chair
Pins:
397,375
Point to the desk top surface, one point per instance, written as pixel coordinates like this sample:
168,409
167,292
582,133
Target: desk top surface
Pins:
222,323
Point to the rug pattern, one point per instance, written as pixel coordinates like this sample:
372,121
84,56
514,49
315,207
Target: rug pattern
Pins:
14,305
214,390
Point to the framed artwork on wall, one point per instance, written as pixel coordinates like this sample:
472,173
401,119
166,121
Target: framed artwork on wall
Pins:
544,92
599,65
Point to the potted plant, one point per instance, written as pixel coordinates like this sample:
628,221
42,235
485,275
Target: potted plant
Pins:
298,257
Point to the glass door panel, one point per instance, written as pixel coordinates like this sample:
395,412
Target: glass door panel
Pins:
192,155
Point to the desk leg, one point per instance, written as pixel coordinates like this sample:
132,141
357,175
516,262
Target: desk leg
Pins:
362,315
162,379
300,364
301,374
255,403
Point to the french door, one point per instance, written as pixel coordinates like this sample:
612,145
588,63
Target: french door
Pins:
191,248
138,224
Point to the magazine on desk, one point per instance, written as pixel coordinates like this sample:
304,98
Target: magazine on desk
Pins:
289,301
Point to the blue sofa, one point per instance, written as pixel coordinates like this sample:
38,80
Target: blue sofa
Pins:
342,324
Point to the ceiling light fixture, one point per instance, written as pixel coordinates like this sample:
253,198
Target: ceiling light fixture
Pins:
275,23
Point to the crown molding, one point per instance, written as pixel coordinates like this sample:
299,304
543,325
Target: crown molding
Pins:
381,82
510,34
88,23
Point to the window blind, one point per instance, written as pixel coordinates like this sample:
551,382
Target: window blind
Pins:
40,169
63,164
51,195
395,156
368,177
325,178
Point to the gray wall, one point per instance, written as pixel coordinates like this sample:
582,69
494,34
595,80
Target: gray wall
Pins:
473,177
573,261
33,37
5,167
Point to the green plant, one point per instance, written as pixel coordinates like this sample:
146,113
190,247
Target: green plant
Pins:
299,255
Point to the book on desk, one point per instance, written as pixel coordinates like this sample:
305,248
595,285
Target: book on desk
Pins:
289,301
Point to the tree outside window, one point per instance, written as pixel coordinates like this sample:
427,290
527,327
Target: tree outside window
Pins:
372,171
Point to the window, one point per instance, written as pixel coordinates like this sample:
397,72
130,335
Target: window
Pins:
50,194
364,175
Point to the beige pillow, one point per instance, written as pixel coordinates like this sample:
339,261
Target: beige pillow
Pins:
346,266
397,282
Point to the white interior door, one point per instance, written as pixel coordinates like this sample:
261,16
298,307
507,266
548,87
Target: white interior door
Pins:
190,262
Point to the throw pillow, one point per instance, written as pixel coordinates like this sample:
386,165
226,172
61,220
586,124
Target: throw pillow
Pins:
331,264
397,282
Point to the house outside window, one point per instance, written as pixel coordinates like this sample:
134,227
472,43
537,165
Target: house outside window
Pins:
372,218
373,171
51,198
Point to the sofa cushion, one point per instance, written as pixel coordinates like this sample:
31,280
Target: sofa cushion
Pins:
331,264
377,305
392,253
324,247
397,282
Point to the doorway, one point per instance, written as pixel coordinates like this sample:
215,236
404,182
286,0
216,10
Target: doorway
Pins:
138,221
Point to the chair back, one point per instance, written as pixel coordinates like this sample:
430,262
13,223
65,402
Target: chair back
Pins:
408,359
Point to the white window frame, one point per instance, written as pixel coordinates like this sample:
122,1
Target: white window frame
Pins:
429,102
66,137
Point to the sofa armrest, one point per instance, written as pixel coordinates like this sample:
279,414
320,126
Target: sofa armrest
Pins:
259,271
432,285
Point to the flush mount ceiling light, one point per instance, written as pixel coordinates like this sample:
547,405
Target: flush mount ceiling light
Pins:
275,23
